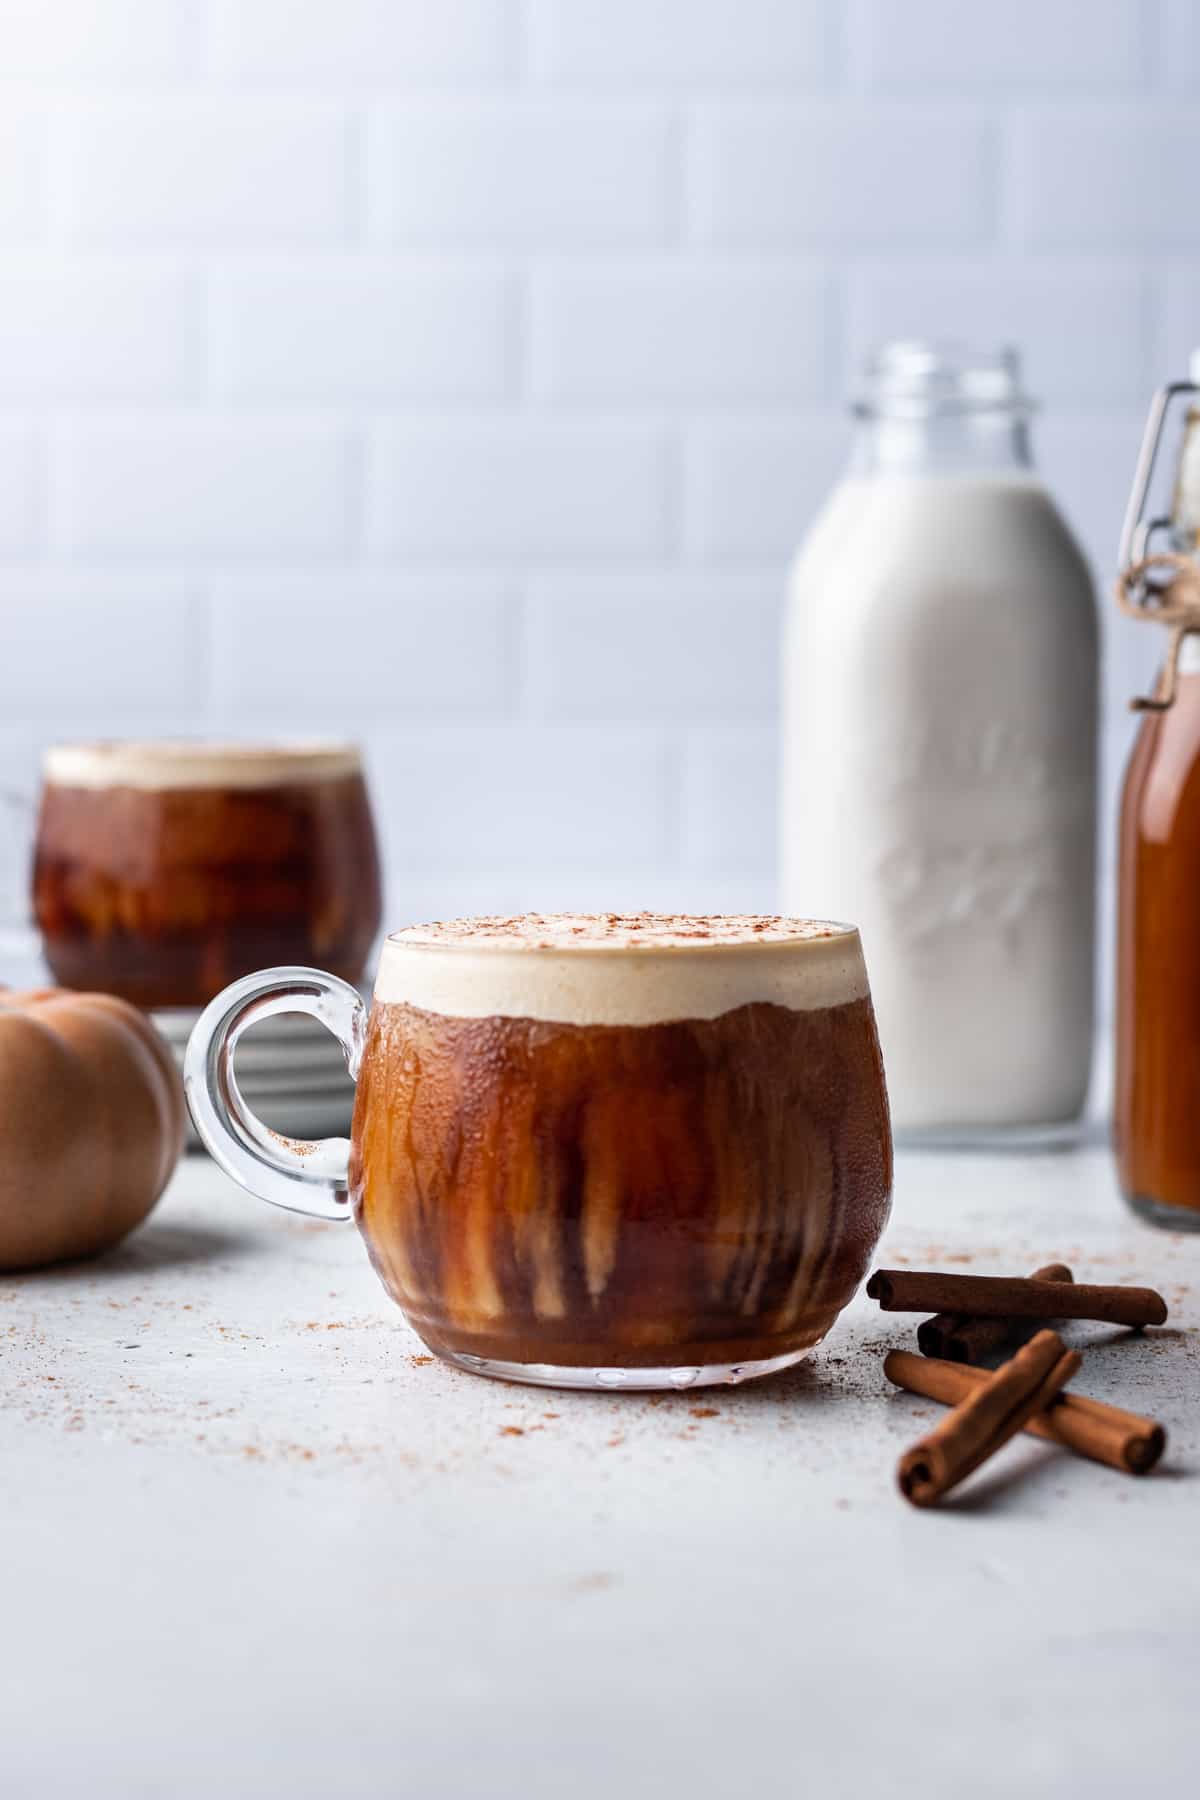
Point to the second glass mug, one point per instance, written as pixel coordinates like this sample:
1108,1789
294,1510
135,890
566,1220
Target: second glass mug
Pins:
626,1151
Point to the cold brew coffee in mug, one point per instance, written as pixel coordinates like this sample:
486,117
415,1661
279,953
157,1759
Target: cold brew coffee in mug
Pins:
165,868
627,1151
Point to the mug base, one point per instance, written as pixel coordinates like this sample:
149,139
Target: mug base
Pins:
565,1375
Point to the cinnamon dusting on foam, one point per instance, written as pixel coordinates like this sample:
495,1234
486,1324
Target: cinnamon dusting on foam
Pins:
620,968
167,763
620,931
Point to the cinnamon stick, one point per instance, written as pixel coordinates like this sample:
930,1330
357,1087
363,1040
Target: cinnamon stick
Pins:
1107,1434
994,1410
1013,1297
960,1339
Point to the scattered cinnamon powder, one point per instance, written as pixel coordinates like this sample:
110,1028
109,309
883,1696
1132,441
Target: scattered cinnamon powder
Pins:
512,1431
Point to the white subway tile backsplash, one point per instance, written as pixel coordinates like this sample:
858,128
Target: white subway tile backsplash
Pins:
1180,336
845,176
730,803
347,651
925,45
1080,327
428,893
93,643
1088,464
22,491
518,488
469,371
657,334
19,769
516,174
207,174
1179,47
559,797
751,490
73,333
373,42
1118,178
202,488
101,40
653,646
676,43
367,336
23,172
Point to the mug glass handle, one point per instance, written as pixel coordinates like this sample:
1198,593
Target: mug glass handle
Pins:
305,1177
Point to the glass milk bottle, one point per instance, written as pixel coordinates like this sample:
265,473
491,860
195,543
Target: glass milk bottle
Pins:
939,750
1157,1109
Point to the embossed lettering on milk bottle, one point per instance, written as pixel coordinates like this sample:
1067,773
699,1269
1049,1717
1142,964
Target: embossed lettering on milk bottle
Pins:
939,749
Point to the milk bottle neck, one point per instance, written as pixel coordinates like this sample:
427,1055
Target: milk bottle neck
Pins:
941,409
984,443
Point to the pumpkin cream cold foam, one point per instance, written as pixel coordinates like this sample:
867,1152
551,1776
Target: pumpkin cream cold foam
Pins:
620,968
622,1142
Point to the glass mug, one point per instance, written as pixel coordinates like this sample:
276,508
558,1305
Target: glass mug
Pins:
627,1151
164,869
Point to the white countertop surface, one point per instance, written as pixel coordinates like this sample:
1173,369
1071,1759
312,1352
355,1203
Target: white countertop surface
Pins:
256,1544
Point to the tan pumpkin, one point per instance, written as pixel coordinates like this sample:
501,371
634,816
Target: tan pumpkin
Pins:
91,1123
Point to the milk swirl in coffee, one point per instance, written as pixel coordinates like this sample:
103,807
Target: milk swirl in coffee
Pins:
616,1150
630,1141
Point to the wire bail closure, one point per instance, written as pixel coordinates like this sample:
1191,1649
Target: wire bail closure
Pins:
1174,602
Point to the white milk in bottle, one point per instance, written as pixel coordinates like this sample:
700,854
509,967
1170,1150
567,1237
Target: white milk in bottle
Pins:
939,761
